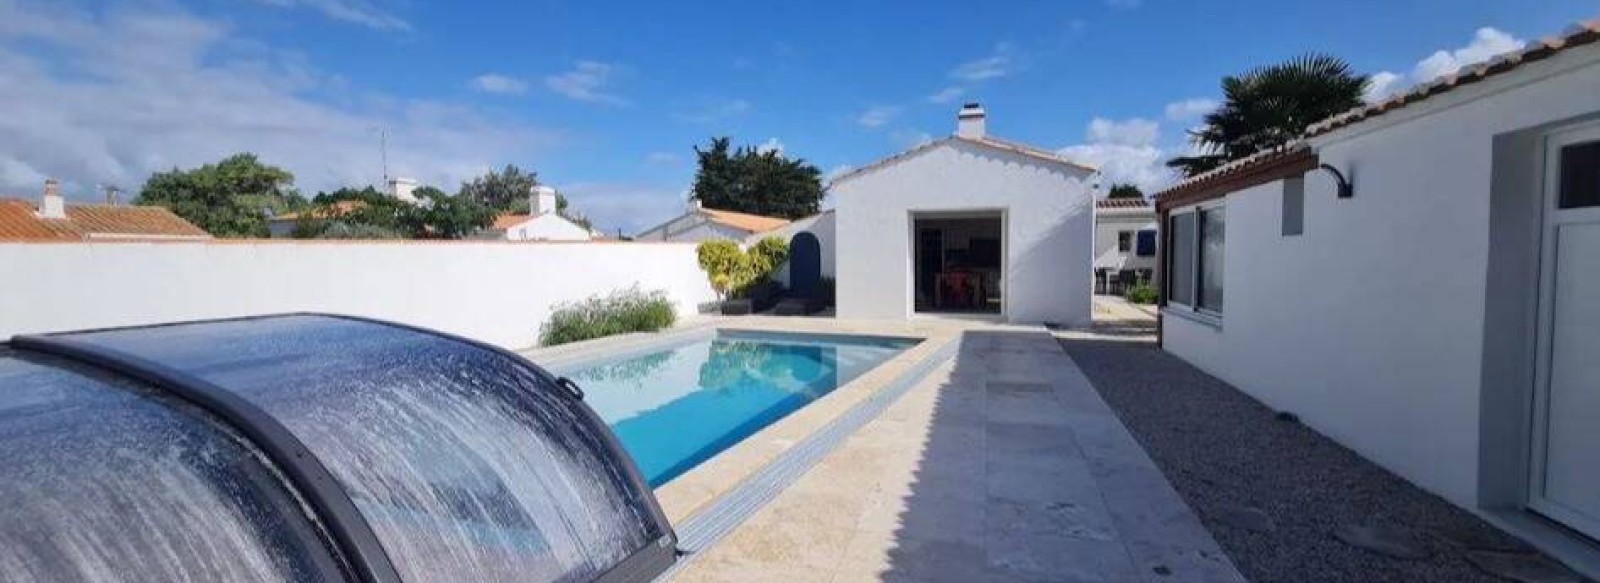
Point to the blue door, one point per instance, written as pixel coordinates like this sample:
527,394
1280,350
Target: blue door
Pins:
805,263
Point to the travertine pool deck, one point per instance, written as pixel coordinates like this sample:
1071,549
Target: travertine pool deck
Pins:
1003,465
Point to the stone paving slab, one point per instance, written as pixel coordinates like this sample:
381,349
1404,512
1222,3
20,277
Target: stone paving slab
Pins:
1003,465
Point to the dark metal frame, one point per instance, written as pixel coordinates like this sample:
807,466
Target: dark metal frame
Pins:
353,536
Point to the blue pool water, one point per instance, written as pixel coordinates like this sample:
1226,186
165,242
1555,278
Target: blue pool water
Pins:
677,407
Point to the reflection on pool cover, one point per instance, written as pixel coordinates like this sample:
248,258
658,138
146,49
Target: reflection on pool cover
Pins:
466,463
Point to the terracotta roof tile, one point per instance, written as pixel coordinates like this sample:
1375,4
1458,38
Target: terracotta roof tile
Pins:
1293,157
744,221
1122,203
509,220
19,221
1583,33
337,209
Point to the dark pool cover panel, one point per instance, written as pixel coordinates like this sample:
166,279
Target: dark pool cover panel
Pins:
452,460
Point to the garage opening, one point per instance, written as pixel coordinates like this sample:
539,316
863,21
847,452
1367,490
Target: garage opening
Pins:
958,262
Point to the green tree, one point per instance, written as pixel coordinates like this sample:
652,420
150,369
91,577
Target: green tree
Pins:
1270,106
749,180
441,216
505,190
376,215
1125,191
231,198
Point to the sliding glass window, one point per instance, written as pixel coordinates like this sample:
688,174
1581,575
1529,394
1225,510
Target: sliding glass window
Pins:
1213,231
1196,242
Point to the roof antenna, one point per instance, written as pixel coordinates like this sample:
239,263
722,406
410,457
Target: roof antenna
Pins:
383,150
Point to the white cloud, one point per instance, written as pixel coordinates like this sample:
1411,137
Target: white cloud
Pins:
1004,60
630,207
1486,43
1125,152
111,97
771,145
947,95
1129,132
877,116
588,81
500,84
1191,108
661,159
1382,84
353,11
715,111
910,138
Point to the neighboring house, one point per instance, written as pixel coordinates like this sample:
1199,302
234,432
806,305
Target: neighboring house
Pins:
53,219
1124,243
820,228
967,223
282,226
1441,315
702,224
543,223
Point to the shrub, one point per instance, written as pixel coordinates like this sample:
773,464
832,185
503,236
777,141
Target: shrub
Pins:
734,273
1143,293
620,312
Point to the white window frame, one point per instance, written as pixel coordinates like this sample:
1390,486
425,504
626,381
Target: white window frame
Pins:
1180,309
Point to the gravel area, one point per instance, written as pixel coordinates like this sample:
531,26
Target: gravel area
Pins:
1272,492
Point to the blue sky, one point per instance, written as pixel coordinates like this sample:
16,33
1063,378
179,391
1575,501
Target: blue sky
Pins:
606,99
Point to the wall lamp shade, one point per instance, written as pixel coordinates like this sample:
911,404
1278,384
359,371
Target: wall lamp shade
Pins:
1346,190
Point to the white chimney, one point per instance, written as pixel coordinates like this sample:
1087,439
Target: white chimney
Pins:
969,123
542,200
404,189
52,206
694,205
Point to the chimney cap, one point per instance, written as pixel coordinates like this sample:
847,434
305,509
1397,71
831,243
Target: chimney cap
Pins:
971,109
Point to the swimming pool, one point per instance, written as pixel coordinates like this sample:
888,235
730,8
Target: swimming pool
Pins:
677,407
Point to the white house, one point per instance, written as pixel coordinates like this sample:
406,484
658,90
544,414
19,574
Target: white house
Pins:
1124,243
968,223
1419,279
542,223
698,223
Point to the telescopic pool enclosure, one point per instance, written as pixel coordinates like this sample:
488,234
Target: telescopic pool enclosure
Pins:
308,448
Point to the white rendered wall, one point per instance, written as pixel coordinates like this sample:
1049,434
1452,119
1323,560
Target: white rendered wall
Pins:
692,228
1049,230
1106,227
493,291
548,227
822,225
1370,325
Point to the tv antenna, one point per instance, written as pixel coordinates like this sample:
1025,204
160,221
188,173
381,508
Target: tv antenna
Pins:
383,150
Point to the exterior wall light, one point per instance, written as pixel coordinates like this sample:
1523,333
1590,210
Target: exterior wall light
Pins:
1346,190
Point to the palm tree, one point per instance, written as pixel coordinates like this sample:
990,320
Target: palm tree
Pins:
1269,106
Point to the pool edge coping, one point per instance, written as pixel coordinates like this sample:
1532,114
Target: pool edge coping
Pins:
689,494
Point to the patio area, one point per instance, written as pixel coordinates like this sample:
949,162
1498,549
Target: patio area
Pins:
1090,455
1004,464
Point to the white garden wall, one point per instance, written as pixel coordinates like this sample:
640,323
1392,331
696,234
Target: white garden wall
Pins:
497,292
1370,326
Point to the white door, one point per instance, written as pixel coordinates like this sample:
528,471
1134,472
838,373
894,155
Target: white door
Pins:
1566,460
